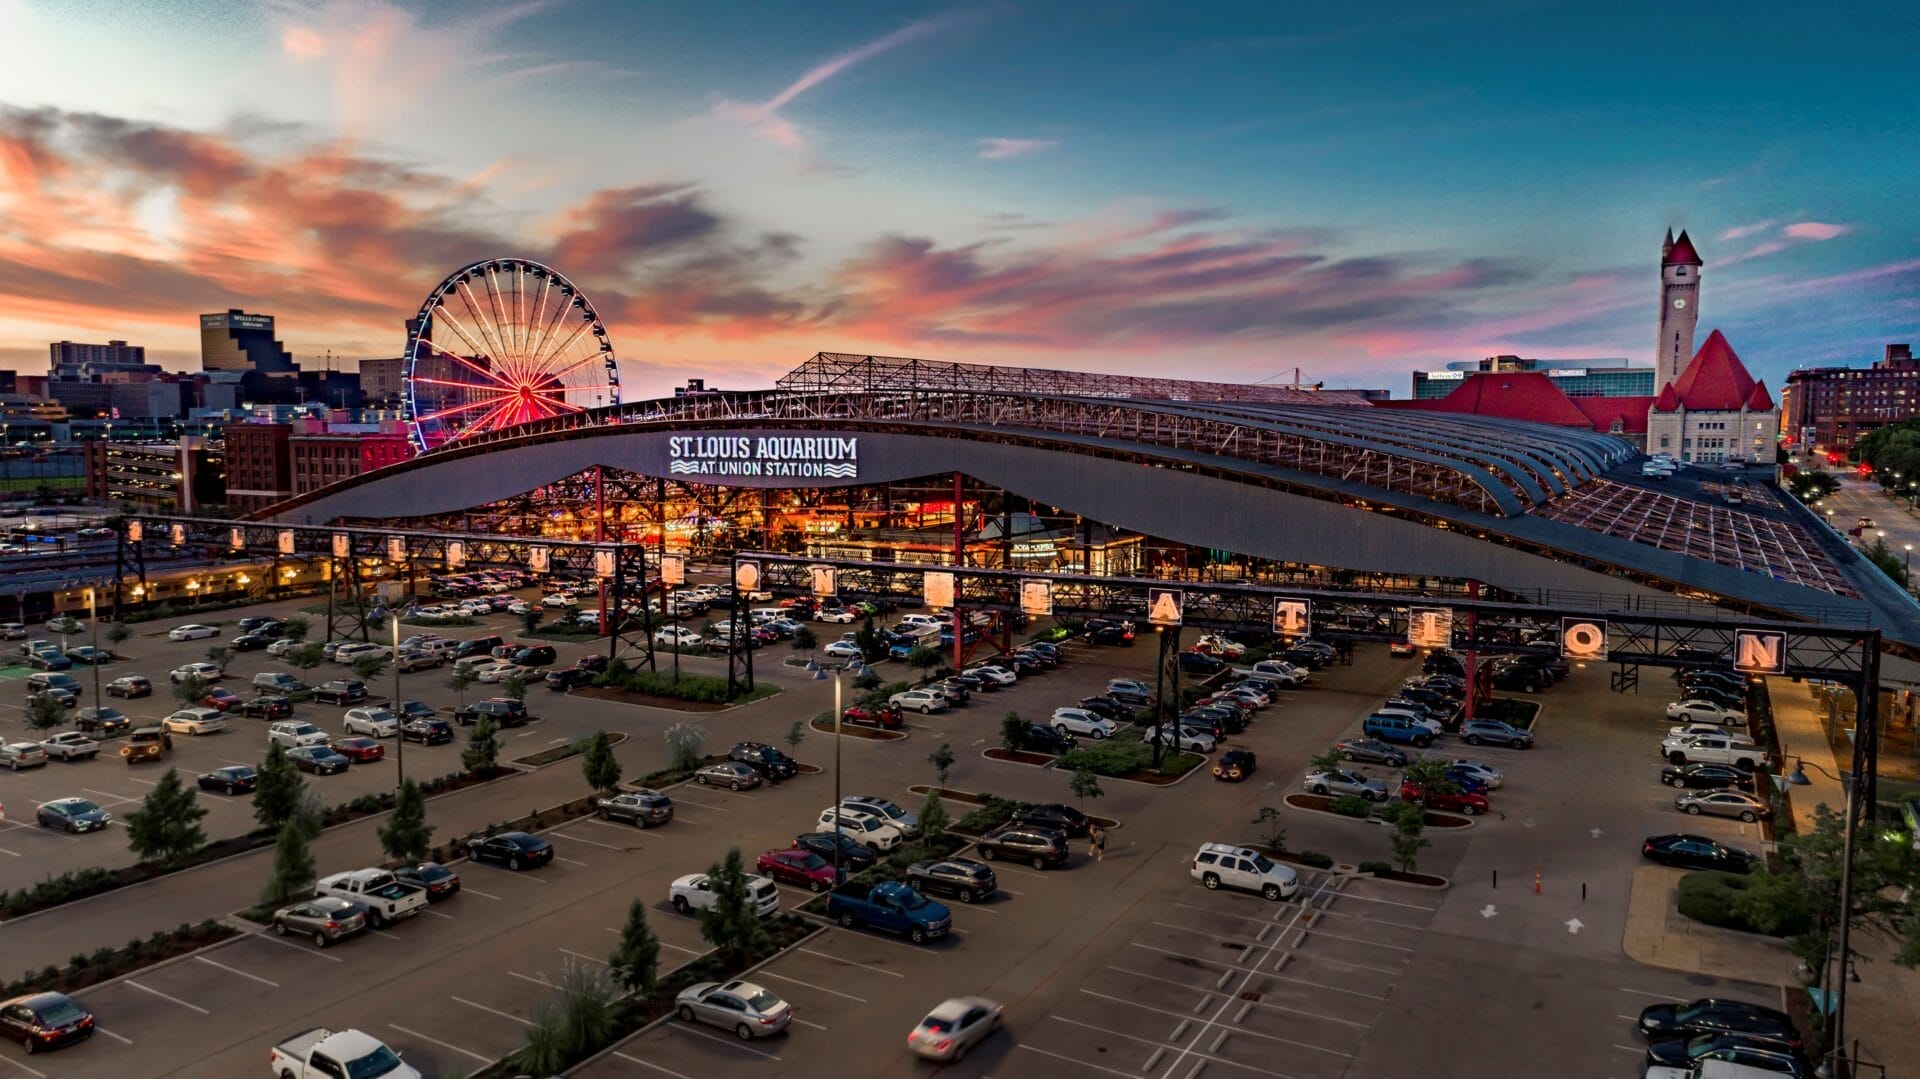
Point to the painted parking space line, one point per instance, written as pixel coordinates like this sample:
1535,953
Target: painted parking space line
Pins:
528,978
642,1063
571,861
118,799
1185,1018
584,957
804,1023
98,1029
1208,1057
142,782
850,962
478,892
593,843
810,985
663,944
272,938
165,997
14,853
492,1011
438,914
685,1028
597,822
1208,994
22,1067
242,973
698,802
441,1044
1074,1060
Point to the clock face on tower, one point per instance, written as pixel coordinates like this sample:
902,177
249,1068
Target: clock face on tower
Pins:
1680,305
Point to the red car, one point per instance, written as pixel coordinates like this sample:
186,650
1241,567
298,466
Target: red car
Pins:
360,750
222,699
1399,648
880,715
796,866
1456,802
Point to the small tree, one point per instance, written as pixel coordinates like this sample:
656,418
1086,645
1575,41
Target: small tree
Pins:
1273,834
729,922
482,753
685,742
460,681
166,827
804,640
515,687
867,638
1084,785
933,818
1430,775
1408,821
407,836
530,620
307,656
295,629
220,655
278,789
796,734
368,667
1322,762
293,870
1013,732
45,712
66,625
924,659
636,961
942,761
118,635
190,689
602,768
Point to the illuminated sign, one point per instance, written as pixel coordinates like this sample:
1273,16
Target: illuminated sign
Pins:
286,541
1583,638
1036,597
1292,617
1164,606
938,589
673,569
1430,627
800,457
746,576
822,580
1759,651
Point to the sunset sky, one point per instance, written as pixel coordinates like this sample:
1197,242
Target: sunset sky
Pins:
1165,188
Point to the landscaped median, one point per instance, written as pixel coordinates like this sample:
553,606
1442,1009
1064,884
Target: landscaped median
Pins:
574,748
1356,808
824,724
105,964
1125,757
690,693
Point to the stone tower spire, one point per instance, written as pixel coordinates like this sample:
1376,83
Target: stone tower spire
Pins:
1679,307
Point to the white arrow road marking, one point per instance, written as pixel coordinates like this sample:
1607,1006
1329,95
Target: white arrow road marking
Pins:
1574,925
1488,911
1595,833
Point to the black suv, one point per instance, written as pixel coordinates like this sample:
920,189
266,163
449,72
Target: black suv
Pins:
340,691
539,655
1042,847
768,761
504,711
1038,738
855,856
273,627
1054,816
962,878
428,732
478,646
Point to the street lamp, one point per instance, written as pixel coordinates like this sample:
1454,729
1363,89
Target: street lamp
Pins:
93,626
820,675
399,736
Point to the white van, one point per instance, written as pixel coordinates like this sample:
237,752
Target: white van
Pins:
763,615
934,621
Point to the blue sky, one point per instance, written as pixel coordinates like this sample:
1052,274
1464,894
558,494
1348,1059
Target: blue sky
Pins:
1238,189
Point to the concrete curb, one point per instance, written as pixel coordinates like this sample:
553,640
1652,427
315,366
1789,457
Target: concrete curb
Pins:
182,957
1470,821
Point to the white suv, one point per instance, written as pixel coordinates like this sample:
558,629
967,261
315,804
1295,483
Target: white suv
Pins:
1218,864
1081,721
693,892
294,733
872,829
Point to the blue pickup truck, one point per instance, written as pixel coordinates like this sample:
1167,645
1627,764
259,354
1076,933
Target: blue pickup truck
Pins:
893,906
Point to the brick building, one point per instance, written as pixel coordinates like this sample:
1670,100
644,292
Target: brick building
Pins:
1830,408
321,458
259,465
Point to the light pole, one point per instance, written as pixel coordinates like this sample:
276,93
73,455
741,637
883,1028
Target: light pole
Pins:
399,736
1909,580
93,626
820,674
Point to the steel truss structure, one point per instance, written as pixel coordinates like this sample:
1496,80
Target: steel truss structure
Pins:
830,372
621,568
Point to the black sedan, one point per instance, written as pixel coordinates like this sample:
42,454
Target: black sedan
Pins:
1109,633
270,706
44,1021
319,760
567,678
962,878
1054,816
1716,1015
515,850
1696,852
1108,708
250,642
1764,1053
103,720
439,881
232,779
855,856
1041,739
1706,776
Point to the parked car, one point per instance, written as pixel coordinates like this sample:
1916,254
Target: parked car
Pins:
1397,728
884,716
435,879
695,892
729,774
70,746
892,906
1722,803
1371,751
320,760
1234,765
326,919
953,1028
1041,848
1336,782
427,731
769,762
1186,738
387,899
504,711
962,878
129,686
294,733
1218,865
373,722
1037,738
515,850
102,720
17,755
71,815
642,807
1129,691
1053,816
38,1022
798,867
340,691
1695,852
1706,776
854,856
1495,732
1701,710
1484,774
233,779
746,1009
1716,1015
1461,801
870,828
918,700
192,631
359,749
1081,721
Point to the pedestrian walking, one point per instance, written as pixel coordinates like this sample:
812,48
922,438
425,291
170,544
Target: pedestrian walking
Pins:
1097,842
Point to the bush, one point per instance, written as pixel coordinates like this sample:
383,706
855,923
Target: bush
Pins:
1351,805
1315,859
992,813
700,688
1713,898
1375,868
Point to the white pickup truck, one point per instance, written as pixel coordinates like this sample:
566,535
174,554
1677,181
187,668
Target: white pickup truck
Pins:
1278,670
386,898
71,746
327,1054
1728,748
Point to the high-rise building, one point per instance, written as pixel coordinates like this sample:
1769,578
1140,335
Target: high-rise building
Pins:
1679,307
237,341
383,380
1829,408
1575,378
73,361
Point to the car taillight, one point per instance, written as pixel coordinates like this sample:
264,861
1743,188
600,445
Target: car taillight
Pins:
943,1045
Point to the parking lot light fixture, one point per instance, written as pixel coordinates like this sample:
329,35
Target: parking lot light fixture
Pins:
818,676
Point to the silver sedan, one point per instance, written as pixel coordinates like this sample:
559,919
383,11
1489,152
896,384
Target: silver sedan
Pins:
953,1027
1339,781
730,774
742,1007
1722,803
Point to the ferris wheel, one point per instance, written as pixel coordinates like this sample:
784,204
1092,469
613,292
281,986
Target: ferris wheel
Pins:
504,342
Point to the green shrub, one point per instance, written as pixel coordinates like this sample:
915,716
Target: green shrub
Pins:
1315,859
1713,898
992,813
1351,805
1375,868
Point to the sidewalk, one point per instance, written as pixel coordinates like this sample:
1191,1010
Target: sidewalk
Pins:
1883,1007
1659,936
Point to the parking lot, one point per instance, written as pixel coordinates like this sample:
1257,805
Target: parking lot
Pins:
1125,966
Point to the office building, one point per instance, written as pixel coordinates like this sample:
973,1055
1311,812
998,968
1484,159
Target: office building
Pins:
259,465
383,380
320,453
237,341
73,361
1828,409
1574,378
171,476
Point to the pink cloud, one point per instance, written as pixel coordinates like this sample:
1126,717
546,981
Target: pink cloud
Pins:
998,149
1741,232
1815,230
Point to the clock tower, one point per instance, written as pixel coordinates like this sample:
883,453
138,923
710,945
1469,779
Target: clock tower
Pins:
1679,307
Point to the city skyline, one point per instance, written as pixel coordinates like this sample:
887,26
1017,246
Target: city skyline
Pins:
1238,193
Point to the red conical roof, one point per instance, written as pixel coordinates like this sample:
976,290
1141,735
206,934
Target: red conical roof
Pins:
1716,380
1759,400
1682,253
1668,401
